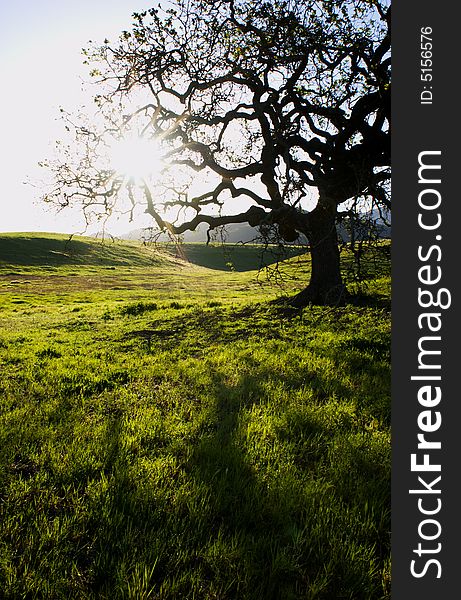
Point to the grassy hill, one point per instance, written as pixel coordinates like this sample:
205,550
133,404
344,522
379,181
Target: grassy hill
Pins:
52,250
234,257
48,250
166,431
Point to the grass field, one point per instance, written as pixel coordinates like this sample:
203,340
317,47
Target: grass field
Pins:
168,432
233,257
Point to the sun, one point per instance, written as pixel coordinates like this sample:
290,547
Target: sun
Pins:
135,157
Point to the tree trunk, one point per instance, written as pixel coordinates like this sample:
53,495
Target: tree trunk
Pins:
326,286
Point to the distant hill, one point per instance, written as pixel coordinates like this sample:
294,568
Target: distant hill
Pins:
366,225
243,233
233,234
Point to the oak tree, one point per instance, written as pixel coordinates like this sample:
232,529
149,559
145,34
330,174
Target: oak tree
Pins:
274,113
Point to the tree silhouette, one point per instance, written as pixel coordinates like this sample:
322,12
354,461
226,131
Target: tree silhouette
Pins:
276,111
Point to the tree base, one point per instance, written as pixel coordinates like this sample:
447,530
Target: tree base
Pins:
312,294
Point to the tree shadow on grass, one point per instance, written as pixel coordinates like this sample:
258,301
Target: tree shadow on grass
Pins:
222,523
216,537
279,536
229,515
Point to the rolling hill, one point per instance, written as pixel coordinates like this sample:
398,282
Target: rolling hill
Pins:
55,250
51,250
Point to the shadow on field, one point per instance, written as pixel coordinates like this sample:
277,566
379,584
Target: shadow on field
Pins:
263,495
270,536
126,539
232,522
370,301
251,523
226,537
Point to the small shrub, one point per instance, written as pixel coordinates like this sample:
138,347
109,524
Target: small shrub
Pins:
48,353
138,308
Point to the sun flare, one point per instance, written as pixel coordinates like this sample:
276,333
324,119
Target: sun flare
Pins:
135,157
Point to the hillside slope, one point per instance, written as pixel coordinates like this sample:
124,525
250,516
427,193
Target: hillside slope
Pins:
51,250
56,250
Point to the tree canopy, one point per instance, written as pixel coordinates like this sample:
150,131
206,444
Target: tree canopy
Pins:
275,113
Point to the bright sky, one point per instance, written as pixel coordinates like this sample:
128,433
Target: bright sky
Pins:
40,70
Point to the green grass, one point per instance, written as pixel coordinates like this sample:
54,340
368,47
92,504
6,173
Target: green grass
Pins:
42,252
233,257
61,252
168,432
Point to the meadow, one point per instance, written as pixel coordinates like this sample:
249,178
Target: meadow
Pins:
170,431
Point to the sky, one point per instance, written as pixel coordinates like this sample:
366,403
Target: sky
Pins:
41,69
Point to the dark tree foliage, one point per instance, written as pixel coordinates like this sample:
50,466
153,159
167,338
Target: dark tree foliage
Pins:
280,109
